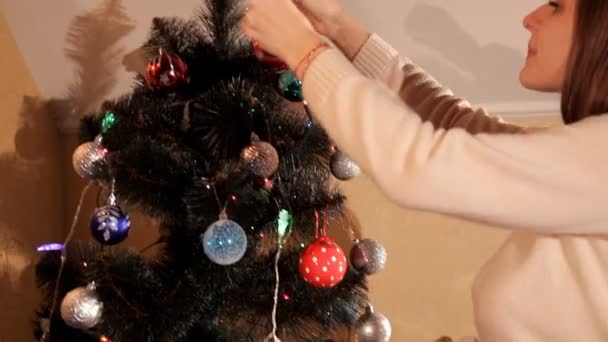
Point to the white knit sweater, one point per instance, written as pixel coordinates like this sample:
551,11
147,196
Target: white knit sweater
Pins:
429,150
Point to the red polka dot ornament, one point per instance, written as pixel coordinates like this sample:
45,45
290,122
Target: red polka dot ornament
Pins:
323,263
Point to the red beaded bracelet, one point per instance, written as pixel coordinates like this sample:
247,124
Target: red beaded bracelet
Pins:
302,66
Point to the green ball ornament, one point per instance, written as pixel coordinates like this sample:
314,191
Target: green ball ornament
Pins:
290,86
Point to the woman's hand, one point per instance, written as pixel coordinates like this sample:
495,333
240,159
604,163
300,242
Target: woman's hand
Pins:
281,29
324,15
330,19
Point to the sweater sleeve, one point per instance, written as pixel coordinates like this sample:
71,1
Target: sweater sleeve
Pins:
550,181
378,60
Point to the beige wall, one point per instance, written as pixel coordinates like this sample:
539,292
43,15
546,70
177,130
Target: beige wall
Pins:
30,189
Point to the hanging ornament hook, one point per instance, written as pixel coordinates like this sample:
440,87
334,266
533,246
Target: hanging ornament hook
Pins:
326,219
112,196
316,224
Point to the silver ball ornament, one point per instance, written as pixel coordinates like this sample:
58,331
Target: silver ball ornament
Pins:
88,159
81,309
368,256
373,327
261,158
342,167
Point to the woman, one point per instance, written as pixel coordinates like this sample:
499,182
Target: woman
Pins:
427,149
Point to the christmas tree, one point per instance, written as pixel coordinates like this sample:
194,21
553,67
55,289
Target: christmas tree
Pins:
216,144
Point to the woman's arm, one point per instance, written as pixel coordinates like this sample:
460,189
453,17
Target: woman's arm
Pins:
420,91
551,181
376,59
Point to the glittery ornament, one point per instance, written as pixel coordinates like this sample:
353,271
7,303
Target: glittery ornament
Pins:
167,71
81,309
342,167
373,327
290,86
261,158
110,224
322,263
88,159
224,241
267,58
368,256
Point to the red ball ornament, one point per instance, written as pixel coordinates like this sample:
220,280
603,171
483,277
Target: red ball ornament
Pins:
167,70
266,57
323,263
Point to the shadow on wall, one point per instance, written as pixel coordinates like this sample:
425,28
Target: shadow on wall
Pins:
30,213
38,186
488,73
92,45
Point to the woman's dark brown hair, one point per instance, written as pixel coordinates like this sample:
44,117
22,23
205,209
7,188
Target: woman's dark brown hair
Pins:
585,90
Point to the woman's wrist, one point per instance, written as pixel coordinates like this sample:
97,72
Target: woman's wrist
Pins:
302,66
301,48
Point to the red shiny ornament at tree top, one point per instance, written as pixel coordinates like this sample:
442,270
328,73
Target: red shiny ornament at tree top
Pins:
166,70
323,263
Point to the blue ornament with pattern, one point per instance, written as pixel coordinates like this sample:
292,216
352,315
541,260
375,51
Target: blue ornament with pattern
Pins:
110,224
224,242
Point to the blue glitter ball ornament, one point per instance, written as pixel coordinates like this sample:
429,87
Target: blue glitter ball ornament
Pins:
224,242
290,86
110,224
